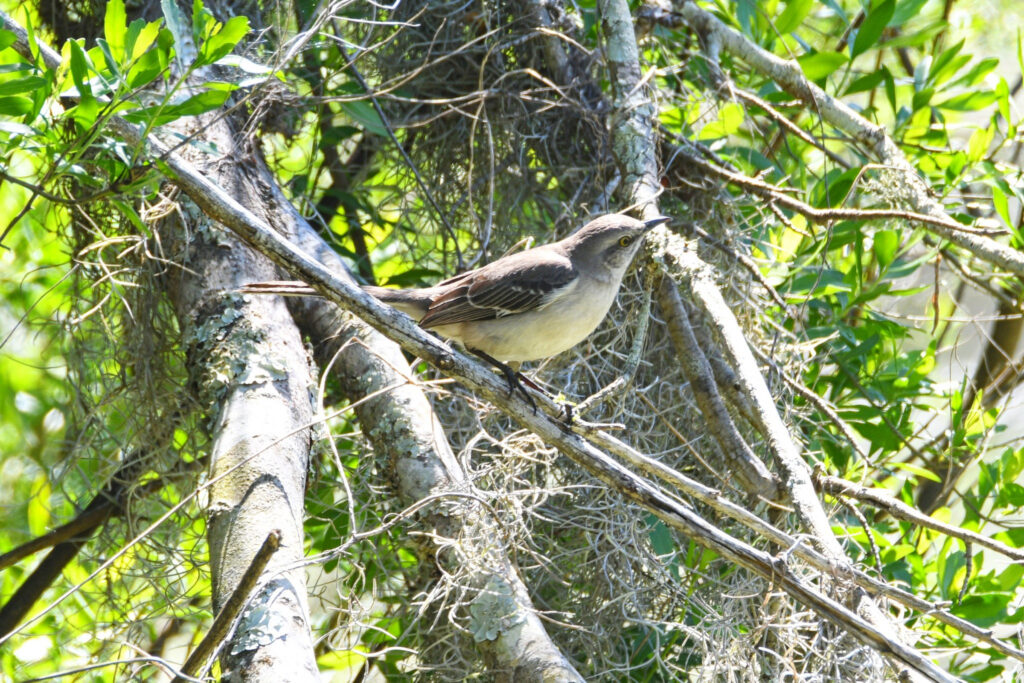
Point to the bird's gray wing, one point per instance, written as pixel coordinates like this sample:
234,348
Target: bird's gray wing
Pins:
513,284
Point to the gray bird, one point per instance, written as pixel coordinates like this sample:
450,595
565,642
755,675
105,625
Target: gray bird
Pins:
524,306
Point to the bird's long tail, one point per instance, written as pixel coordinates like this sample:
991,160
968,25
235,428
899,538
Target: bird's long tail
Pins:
280,288
412,302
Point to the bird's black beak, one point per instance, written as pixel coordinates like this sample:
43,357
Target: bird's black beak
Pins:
654,222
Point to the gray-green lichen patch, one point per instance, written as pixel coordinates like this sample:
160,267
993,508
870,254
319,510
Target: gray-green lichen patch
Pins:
494,611
228,351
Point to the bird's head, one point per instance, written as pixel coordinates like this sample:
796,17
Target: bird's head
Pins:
611,240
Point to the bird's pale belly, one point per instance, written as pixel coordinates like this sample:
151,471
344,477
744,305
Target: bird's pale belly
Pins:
534,335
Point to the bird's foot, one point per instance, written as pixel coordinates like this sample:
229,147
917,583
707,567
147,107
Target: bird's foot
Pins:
516,380
512,377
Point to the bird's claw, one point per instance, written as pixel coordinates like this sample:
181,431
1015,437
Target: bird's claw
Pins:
515,384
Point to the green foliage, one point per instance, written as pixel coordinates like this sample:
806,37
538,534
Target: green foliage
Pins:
868,322
866,294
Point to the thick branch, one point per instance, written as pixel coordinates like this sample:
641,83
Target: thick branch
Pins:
398,419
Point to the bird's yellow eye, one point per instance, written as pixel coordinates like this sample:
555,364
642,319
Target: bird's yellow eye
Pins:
625,241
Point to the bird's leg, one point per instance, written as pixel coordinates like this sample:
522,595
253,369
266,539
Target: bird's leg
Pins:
511,376
530,383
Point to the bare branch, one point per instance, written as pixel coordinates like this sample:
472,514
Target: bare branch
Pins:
743,462
901,510
789,77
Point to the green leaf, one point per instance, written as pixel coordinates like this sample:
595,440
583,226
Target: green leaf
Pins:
1002,205
920,100
223,41
907,9
730,118
661,538
141,36
108,56
363,113
1011,464
793,15
193,106
201,103
145,69
977,73
86,111
917,470
15,106
867,82
977,146
38,511
7,38
832,189
746,15
890,89
983,610
114,22
1002,92
947,63
27,84
176,22
969,101
202,23
818,65
79,63
871,30
885,245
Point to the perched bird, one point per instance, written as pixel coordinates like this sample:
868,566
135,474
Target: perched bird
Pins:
524,306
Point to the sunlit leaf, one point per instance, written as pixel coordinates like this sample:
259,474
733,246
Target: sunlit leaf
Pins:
821,64
793,15
115,22
969,101
38,509
885,245
872,27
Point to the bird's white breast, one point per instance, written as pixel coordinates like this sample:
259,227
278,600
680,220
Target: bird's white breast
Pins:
561,324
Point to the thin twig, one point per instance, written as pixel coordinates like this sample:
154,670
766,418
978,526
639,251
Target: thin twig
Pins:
824,216
239,597
901,510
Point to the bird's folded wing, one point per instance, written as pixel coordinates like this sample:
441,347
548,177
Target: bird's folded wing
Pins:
514,284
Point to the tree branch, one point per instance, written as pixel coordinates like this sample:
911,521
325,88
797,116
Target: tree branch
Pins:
901,510
377,379
229,612
789,77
